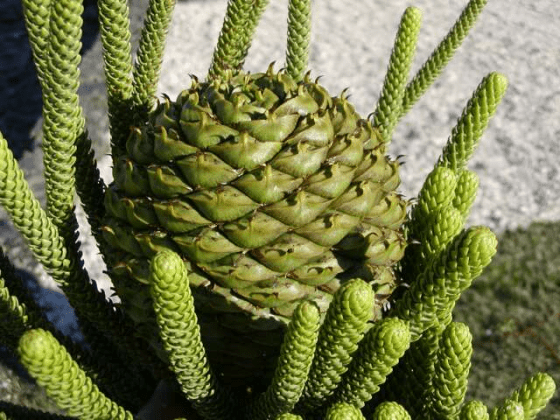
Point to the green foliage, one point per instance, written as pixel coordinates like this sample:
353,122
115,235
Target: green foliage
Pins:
429,298
331,367
299,35
37,21
390,410
289,417
65,267
64,381
474,410
511,410
114,27
174,307
512,311
465,192
343,411
380,350
534,394
150,55
413,390
437,61
20,392
63,121
433,221
293,365
389,106
472,123
342,330
451,371
233,44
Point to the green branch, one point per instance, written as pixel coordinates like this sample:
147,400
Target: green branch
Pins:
65,268
388,109
150,56
473,121
63,119
20,313
411,379
428,300
378,352
36,14
55,33
64,381
299,35
343,411
510,410
390,410
289,416
240,22
293,365
474,410
114,27
465,192
432,223
532,396
342,330
451,372
432,68
180,332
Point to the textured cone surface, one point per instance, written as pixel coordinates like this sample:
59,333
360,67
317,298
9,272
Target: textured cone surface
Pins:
272,191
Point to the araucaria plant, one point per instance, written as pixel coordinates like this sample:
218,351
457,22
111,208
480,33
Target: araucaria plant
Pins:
266,266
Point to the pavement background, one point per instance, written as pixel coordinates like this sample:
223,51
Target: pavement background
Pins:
517,161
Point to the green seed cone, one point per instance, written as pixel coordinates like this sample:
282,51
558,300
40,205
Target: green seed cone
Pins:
272,192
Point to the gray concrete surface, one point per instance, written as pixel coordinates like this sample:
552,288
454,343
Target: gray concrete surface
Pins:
518,158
